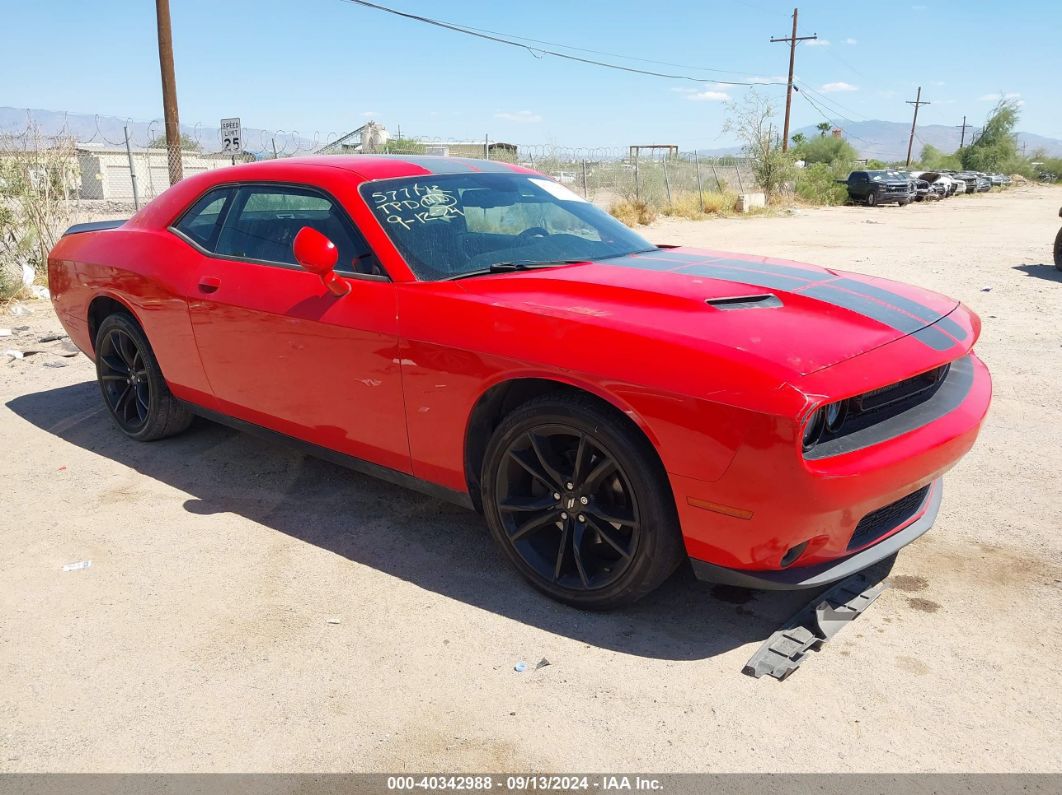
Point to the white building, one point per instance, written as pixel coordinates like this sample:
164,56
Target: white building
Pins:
105,170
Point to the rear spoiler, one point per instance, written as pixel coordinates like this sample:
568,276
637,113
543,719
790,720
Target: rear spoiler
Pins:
94,226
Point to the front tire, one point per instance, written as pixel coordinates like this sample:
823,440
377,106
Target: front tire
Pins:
132,385
580,504
871,199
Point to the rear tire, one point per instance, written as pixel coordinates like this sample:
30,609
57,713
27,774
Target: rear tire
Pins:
871,199
132,385
579,503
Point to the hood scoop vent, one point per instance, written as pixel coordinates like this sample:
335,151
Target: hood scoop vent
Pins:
760,301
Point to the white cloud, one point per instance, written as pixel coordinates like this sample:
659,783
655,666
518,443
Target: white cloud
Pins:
520,117
829,88
998,96
708,96
851,41
819,43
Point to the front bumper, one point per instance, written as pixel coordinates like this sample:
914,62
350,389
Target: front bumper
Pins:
776,520
831,571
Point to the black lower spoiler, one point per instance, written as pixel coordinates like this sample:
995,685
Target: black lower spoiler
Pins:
94,226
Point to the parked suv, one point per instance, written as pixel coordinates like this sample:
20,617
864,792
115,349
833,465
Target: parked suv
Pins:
879,187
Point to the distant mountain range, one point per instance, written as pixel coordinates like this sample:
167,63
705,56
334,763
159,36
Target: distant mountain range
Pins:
87,128
887,140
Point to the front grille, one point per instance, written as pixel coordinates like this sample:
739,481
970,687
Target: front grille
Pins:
877,523
907,391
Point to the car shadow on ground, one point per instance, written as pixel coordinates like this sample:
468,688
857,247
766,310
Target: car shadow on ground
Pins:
432,544
1047,272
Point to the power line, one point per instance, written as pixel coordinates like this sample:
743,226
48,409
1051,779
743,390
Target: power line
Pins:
539,52
827,118
792,41
833,103
617,54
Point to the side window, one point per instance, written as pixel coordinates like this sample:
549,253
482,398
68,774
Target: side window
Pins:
264,219
200,223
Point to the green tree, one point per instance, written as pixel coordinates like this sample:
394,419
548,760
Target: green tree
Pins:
798,139
834,151
188,143
932,159
996,148
823,127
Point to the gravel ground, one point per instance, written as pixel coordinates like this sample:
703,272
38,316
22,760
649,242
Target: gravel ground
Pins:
251,609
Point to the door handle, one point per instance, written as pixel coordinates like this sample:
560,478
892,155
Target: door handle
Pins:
209,284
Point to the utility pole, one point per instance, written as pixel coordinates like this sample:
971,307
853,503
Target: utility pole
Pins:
962,136
169,91
792,40
918,102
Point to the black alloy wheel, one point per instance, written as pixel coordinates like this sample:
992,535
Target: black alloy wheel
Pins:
132,385
578,504
123,378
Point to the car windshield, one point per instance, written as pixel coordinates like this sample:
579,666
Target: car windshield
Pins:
454,225
878,176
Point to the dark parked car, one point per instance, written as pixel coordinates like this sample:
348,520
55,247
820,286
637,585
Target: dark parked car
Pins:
879,187
971,179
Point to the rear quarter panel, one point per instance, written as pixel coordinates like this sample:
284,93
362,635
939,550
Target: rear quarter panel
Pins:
148,271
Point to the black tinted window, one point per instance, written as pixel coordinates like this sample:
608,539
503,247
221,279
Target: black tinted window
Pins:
264,220
200,223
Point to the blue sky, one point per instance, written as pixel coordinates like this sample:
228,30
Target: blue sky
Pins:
326,66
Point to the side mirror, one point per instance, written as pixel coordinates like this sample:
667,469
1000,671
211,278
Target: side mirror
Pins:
317,254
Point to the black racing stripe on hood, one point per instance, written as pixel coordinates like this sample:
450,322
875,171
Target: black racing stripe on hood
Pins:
935,339
899,313
886,315
804,274
747,276
906,304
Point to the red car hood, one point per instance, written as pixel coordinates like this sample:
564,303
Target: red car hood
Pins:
801,317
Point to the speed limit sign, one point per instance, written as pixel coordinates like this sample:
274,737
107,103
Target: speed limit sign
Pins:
231,136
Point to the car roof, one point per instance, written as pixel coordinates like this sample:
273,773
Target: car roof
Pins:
378,166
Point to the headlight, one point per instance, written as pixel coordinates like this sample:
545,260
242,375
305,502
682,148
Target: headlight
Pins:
835,414
813,429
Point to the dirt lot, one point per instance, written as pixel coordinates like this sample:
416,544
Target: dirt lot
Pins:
250,609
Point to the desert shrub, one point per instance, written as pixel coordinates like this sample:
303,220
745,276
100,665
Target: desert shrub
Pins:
689,205
37,182
817,184
633,212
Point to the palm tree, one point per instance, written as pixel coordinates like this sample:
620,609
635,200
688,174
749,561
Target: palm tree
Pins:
823,127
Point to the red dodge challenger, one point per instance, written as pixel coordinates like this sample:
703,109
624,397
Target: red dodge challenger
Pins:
478,331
